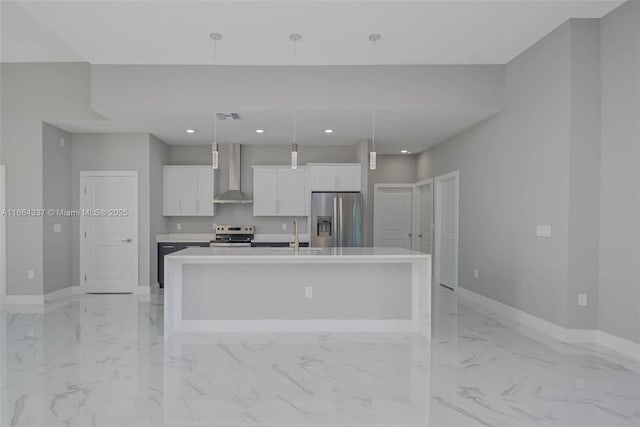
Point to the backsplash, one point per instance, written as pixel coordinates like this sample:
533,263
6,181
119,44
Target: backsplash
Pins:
235,214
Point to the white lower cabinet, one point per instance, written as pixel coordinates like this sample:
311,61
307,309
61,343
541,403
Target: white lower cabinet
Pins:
279,191
188,191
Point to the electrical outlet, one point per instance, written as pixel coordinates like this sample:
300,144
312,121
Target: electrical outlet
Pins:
284,226
62,142
308,292
582,299
31,274
475,273
178,226
57,228
213,226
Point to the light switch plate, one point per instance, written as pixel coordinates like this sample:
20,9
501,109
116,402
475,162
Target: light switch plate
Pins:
475,273
308,292
284,226
178,226
57,228
31,274
543,230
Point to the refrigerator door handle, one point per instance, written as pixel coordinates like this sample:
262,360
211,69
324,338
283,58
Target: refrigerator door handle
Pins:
340,236
336,231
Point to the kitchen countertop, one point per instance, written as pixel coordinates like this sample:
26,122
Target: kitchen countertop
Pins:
206,237
284,254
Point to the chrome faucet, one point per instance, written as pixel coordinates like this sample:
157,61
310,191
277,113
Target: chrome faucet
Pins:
296,240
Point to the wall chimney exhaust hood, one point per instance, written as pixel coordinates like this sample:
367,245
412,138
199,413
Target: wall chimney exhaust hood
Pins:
234,194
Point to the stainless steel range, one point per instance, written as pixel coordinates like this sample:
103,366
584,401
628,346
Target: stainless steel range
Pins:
232,236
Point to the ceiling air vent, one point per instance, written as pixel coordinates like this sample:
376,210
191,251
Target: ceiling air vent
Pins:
228,116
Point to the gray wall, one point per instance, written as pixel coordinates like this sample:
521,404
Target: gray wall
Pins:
619,292
514,174
96,152
31,94
565,152
251,155
57,195
158,224
584,172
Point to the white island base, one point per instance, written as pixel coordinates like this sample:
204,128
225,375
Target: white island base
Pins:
278,290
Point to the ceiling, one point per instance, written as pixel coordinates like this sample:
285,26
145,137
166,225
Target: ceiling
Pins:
257,32
151,64
416,106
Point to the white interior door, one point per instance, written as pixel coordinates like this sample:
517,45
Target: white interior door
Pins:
446,208
109,231
425,226
392,214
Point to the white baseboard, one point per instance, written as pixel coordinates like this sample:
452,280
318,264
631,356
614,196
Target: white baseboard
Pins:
618,344
519,317
23,299
58,295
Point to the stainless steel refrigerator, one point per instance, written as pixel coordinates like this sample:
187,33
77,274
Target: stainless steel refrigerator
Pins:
336,220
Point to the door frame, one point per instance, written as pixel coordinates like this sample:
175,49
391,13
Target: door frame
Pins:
417,213
136,232
437,191
376,189
3,234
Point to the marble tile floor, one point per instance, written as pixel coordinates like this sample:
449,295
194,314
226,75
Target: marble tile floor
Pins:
99,360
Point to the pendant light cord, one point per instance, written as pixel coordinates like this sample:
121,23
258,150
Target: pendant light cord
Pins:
373,99
295,91
215,95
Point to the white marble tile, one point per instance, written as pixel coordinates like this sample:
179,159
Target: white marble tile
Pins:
100,361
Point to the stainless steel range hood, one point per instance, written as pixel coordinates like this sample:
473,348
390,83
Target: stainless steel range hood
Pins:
234,194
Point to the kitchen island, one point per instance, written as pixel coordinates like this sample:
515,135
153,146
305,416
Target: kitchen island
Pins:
281,290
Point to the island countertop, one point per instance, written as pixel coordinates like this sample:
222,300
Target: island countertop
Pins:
288,254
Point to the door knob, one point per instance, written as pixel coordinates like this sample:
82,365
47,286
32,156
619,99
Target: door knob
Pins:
127,240
410,234
420,235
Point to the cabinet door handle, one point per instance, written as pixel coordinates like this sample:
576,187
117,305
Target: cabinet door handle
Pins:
168,247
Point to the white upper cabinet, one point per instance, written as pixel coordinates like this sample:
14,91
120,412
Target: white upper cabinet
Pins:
279,191
292,191
188,191
265,191
336,177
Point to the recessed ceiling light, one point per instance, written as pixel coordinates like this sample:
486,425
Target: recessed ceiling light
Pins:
328,131
404,151
191,131
259,130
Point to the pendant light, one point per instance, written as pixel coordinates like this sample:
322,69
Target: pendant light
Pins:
214,146
295,38
373,38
